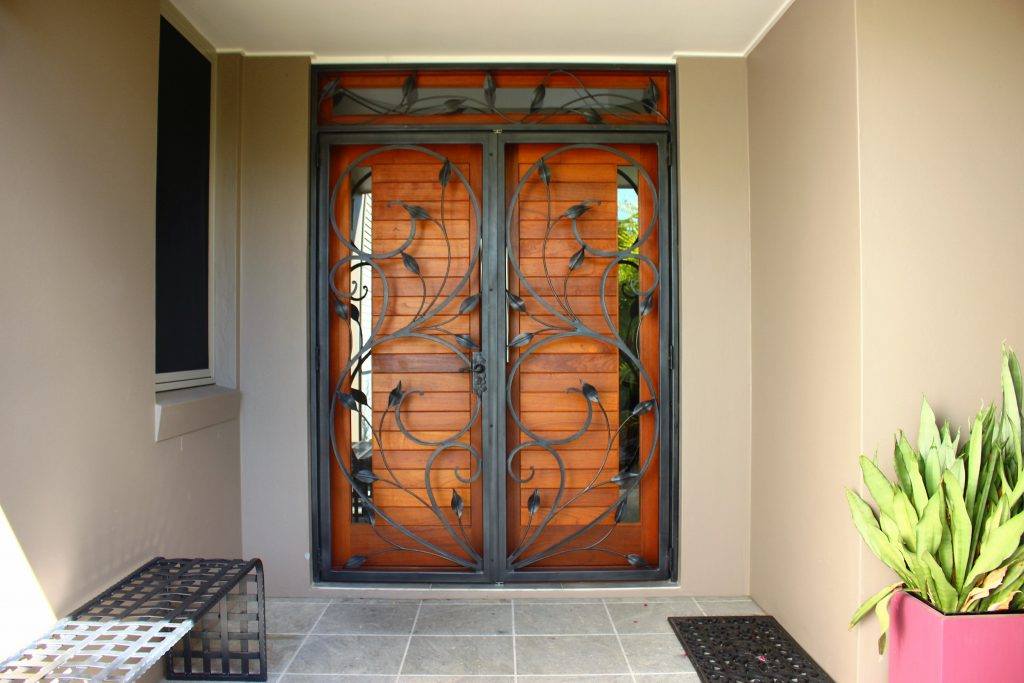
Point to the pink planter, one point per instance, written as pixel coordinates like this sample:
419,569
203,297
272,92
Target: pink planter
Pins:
926,645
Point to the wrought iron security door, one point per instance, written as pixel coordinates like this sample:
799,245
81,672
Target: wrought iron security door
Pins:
493,350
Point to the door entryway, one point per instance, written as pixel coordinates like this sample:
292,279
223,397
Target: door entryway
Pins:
493,349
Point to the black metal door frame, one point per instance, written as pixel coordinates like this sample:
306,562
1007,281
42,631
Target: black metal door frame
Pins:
493,339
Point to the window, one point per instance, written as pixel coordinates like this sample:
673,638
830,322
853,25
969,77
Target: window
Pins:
183,350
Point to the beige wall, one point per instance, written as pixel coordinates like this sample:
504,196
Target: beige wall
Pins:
87,493
937,241
942,187
714,236
715,345
272,358
806,351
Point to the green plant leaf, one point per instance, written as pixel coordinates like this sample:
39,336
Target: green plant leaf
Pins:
974,462
946,597
882,614
906,519
908,469
864,520
1000,544
927,433
870,603
959,527
945,553
929,529
1015,376
879,485
932,470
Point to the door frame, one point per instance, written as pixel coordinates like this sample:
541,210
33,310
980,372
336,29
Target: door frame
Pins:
493,333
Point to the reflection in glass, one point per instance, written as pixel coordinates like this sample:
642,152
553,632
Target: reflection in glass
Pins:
628,204
362,376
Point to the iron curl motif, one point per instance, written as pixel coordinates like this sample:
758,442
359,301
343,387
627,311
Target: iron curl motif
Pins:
586,102
556,305
427,325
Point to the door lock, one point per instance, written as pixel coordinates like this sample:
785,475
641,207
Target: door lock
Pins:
479,370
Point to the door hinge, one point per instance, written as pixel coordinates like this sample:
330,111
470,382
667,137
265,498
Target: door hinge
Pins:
671,356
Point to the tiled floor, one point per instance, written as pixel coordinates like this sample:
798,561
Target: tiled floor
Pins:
528,640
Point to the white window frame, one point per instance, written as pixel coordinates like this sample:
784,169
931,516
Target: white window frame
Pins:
184,379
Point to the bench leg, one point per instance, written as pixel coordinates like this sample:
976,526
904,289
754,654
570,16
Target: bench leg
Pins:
229,642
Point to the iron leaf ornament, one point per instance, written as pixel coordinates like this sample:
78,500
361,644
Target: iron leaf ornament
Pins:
457,504
490,91
395,396
366,476
538,98
445,174
355,562
469,303
533,503
467,341
515,302
576,260
520,340
544,172
410,263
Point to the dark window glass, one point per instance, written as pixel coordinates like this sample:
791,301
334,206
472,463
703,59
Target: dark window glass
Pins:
182,205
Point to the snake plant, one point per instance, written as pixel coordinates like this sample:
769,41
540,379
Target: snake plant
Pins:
950,526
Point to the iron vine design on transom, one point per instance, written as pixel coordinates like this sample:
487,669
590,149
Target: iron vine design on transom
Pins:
590,104
569,325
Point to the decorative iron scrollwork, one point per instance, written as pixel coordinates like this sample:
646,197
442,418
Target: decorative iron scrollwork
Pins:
556,304
428,324
592,105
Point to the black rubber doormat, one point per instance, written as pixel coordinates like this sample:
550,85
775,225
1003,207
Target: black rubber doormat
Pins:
754,649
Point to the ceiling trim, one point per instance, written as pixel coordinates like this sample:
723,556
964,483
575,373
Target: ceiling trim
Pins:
493,59
769,25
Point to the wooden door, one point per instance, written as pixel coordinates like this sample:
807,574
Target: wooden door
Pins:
404,260
524,447
583,484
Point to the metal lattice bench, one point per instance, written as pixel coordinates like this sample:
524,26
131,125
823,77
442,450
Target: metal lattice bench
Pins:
204,617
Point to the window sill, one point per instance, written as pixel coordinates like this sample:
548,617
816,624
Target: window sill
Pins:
188,410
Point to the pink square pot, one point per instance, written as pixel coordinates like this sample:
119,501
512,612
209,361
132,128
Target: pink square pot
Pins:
926,645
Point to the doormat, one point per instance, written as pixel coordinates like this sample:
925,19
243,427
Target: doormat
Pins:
755,649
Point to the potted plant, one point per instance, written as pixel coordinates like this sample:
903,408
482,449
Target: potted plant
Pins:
950,528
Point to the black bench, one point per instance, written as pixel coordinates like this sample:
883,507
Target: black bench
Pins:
205,618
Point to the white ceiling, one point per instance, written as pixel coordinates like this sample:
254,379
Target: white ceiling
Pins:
484,30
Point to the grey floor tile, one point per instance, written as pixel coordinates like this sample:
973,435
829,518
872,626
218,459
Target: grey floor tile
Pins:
372,600
655,654
667,678
456,679
650,617
280,650
555,599
456,619
365,618
285,615
336,678
729,608
349,655
569,655
647,598
607,678
459,656
467,601
559,619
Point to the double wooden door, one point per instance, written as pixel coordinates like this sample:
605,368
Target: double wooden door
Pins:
493,353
